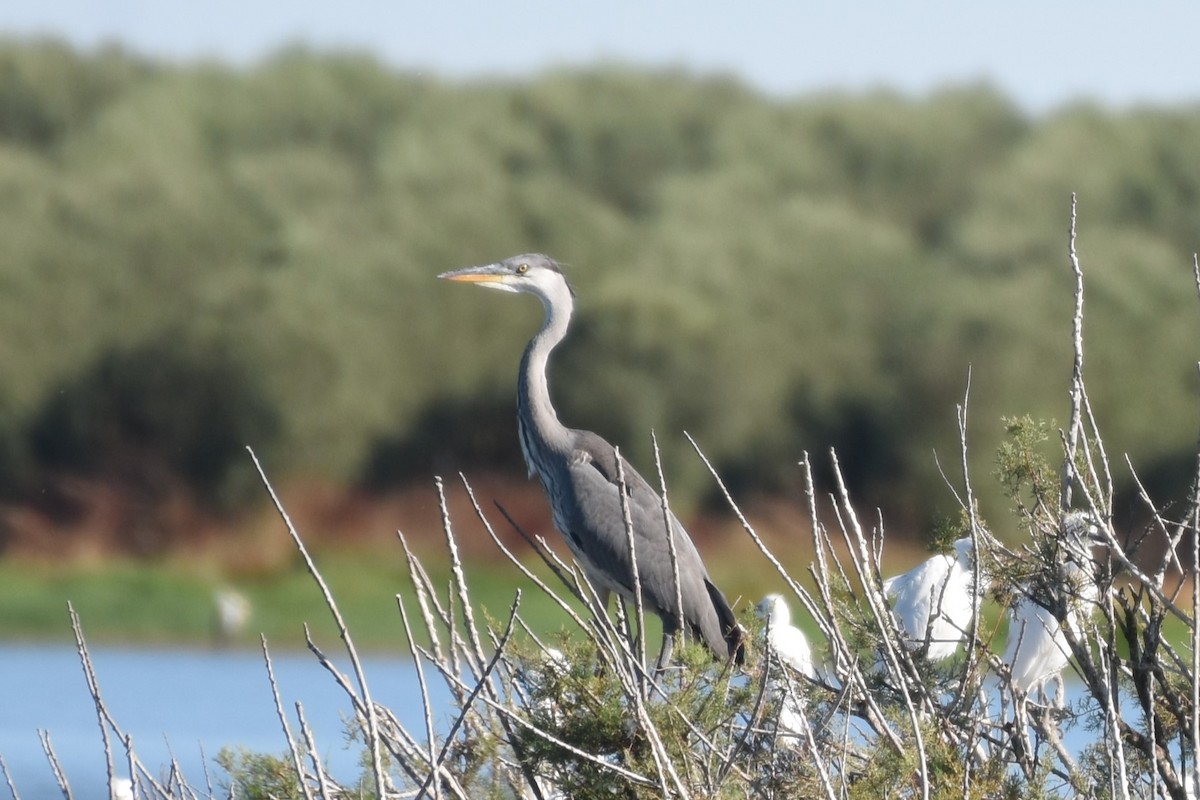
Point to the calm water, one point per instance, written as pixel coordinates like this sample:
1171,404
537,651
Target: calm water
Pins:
181,702
190,703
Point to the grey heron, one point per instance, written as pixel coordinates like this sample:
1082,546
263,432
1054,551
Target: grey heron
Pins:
935,600
579,473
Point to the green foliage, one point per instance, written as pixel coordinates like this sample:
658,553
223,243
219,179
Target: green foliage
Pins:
259,776
1023,464
771,276
946,530
169,408
893,773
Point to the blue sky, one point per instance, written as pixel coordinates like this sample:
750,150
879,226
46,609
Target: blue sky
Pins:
1043,54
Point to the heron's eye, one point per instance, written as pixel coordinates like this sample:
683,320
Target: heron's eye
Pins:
521,270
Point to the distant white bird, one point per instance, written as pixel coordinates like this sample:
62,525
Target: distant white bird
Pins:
233,611
1037,648
786,640
942,589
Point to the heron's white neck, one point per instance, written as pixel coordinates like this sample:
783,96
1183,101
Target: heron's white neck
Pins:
540,426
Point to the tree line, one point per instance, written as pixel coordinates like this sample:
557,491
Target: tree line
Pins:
194,257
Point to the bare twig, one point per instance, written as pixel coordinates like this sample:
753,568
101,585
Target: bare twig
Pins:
12,789
59,776
293,748
1075,425
343,630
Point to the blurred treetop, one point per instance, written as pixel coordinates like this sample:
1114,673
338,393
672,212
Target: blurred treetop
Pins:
770,276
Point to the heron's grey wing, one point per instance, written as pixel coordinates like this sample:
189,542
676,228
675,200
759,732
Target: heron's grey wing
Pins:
594,477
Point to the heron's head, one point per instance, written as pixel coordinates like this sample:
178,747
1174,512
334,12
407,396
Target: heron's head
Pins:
532,273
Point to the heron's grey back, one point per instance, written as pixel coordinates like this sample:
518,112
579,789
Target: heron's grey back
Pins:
589,514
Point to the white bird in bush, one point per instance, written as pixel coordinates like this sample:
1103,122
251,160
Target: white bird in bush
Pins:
121,789
934,601
790,646
1037,648
784,639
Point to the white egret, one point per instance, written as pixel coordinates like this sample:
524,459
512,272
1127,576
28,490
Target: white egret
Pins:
934,601
1037,649
790,646
784,639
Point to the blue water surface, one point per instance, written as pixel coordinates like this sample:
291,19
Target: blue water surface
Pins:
188,704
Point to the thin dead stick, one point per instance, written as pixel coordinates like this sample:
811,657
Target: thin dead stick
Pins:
106,719
130,761
55,767
297,760
423,588
310,743
469,622
668,525
796,588
435,766
426,705
427,600
208,781
563,604
1076,366
475,654
339,677
12,789
339,621
1112,738
969,678
409,755
872,590
630,543
1194,720
89,674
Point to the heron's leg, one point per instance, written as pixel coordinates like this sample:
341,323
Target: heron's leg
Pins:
602,596
664,654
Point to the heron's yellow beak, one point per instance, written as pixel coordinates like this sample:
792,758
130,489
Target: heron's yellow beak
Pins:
471,277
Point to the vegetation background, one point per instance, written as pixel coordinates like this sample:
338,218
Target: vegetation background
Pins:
198,258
